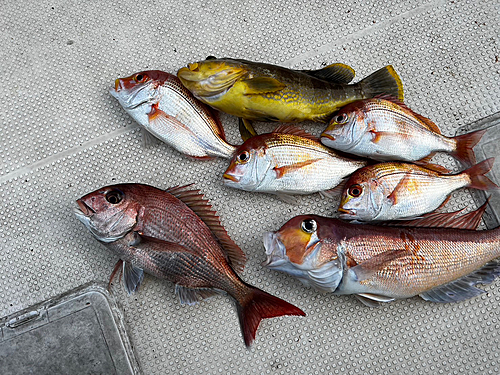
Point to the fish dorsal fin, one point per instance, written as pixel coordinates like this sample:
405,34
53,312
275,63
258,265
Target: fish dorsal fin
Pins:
427,123
436,168
468,221
262,85
201,207
335,73
464,288
190,296
293,130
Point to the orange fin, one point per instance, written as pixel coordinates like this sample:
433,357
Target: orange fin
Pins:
118,267
477,175
436,168
293,130
465,143
201,207
261,305
401,185
159,118
425,160
281,171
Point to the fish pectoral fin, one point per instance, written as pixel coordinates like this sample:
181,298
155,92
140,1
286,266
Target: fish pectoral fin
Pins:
293,130
132,277
393,197
335,73
161,122
464,288
370,267
281,171
246,128
378,135
262,85
373,300
191,296
287,198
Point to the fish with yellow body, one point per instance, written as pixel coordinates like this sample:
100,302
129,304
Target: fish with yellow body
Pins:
265,92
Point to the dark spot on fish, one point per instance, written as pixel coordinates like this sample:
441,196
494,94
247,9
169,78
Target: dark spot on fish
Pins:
70,42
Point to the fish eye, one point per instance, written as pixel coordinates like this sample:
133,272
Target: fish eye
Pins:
243,157
341,118
114,196
139,77
309,226
355,190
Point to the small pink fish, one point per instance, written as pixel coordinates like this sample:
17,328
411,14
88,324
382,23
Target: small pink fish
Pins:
166,110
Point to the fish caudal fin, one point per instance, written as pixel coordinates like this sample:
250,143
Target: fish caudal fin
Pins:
464,149
260,305
383,81
478,180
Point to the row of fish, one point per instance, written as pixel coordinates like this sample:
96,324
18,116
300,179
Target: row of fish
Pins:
175,234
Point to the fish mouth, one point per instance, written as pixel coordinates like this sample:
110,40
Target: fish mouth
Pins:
230,178
275,251
346,214
83,208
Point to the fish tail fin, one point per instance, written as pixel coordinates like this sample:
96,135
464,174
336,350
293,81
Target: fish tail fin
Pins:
383,81
476,173
464,149
260,305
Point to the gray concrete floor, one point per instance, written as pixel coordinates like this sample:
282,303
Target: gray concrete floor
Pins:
64,136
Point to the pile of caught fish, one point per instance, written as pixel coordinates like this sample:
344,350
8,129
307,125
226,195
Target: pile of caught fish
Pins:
374,146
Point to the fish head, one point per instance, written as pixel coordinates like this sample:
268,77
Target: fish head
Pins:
361,199
249,165
109,213
346,128
210,79
301,249
140,88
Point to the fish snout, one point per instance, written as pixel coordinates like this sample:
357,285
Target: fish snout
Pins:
327,135
84,208
228,178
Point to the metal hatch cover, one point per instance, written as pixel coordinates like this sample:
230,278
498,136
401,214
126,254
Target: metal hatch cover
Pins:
78,333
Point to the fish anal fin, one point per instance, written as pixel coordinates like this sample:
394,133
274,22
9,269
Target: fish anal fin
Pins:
336,73
293,130
191,296
282,171
246,128
373,300
464,288
262,85
132,277
369,267
201,207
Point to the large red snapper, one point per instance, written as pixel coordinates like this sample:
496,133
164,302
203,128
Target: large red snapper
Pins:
380,263
385,130
167,110
175,235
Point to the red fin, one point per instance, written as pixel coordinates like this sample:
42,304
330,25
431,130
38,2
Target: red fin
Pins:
281,171
427,123
261,305
468,221
201,207
290,129
436,168
465,143
118,266
477,175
